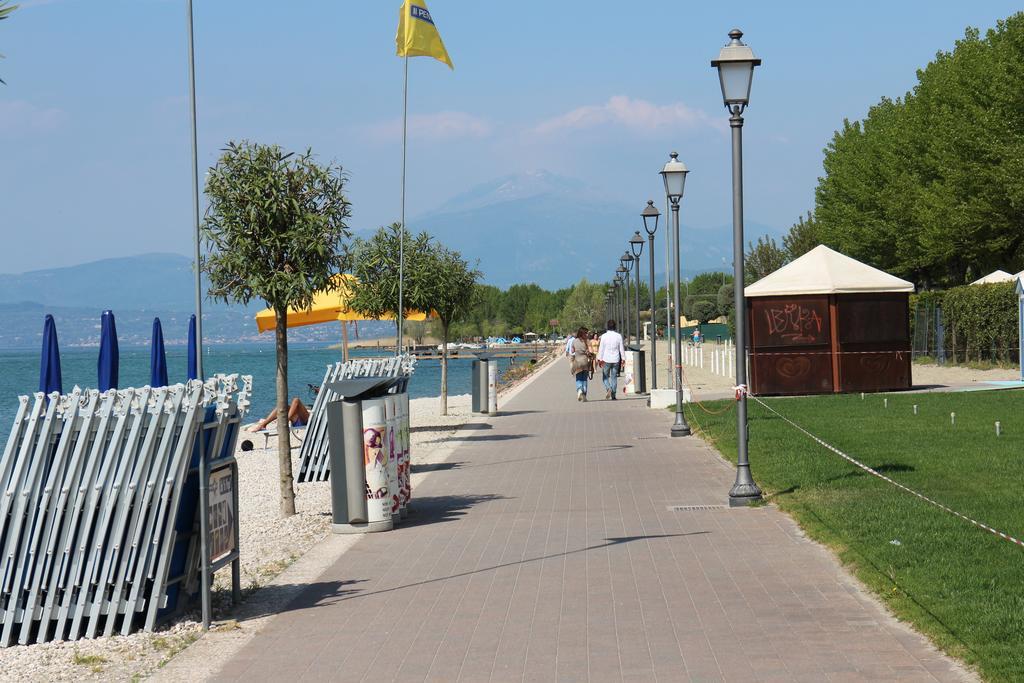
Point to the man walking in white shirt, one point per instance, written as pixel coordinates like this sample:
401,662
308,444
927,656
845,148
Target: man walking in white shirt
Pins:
610,354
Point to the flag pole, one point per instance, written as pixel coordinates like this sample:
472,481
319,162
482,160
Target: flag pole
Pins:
400,313
195,200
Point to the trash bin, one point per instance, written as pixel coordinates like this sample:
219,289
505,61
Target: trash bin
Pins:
364,485
480,381
639,371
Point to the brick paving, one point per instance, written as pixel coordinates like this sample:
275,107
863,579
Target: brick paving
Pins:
545,549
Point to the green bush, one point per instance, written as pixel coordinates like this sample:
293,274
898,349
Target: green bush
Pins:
981,321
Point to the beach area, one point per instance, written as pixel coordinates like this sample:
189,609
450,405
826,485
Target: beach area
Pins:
269,545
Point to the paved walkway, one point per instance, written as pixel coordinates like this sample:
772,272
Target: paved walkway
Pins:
546,549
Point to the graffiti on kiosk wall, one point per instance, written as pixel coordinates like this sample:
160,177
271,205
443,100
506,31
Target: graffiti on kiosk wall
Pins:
795,323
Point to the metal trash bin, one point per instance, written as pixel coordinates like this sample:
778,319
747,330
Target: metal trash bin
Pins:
480,382
364,479
639,356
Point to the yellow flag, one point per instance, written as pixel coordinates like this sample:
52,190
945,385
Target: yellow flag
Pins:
417,36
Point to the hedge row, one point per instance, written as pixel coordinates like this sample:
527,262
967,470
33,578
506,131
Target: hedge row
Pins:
980,321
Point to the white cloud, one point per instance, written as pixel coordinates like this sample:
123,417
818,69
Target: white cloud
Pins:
20,116
443,125
637,115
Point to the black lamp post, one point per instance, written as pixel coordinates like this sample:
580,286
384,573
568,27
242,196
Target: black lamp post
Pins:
636,245
674,175
650,215
627,262
735,65
623,274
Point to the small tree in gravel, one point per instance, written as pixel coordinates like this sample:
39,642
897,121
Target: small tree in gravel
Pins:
275,230
447,289
375,264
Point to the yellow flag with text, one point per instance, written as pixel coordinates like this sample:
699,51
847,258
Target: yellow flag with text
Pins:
417,36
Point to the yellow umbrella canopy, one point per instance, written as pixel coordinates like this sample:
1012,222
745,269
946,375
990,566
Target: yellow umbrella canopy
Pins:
327,307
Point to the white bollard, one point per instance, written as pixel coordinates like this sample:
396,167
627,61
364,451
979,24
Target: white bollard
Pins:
885,403
952,418
702,357
915,409
999,429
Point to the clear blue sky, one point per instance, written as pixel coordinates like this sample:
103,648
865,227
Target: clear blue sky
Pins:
94,143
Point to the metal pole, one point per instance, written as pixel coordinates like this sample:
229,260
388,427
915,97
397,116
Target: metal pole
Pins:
671,320
625,304
400,313
636,297
744,491
679,427
654,318
204,480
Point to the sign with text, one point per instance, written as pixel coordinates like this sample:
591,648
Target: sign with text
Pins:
222,513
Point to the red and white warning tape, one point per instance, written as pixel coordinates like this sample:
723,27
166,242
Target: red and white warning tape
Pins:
898,485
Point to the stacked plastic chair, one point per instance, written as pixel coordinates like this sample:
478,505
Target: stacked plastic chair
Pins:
98,506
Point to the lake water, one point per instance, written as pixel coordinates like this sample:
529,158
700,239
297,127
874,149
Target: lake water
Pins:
19,372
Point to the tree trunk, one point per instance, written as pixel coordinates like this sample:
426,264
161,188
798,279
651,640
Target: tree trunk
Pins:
444,368
284,442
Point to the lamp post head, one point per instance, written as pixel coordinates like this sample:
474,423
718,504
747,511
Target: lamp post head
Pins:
621,273
627,261
636,243
735,64
674,175
650,215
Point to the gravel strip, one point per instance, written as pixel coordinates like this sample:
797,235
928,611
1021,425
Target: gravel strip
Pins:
269,544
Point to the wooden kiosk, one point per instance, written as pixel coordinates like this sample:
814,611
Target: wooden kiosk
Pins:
827,323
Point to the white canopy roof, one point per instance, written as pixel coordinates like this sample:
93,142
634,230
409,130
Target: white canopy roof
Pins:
995,276
824,271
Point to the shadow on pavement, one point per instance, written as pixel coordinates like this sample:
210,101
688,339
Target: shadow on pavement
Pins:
509,413
436,509
266,600
436,467
450,428
608,542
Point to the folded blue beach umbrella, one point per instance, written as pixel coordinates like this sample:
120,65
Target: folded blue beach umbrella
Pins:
193,365
106,367
157,357
49,362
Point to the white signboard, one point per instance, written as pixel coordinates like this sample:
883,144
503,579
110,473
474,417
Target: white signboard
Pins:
222,513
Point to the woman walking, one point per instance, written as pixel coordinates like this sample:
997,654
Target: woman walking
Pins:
580,363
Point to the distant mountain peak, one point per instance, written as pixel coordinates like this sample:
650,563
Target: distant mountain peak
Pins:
519,186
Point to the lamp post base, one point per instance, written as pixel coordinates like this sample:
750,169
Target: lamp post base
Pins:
744,494
680,429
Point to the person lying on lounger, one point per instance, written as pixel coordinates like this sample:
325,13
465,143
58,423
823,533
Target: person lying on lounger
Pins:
298,416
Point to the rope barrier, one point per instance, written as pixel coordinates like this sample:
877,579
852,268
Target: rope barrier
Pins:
881,476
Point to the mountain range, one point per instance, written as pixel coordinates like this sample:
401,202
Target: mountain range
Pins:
544,228
532,227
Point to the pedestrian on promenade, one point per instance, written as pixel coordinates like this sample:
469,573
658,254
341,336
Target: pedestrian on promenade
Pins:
568,345
580,363
611,355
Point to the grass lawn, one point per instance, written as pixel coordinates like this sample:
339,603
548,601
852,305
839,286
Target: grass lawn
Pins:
960,585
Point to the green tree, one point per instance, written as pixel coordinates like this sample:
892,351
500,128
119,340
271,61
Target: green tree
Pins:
276,229
762,258
801,238
584,307
931,186
5,11
448,287
375,265
704,311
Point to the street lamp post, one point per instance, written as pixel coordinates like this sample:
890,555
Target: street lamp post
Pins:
624,282
735,66
636,245
618,298
650,215
627,262
674,175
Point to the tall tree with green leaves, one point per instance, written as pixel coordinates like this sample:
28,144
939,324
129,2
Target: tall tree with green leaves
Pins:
5,11
375,264
762,258
802,237
584,307
276,229
447,289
